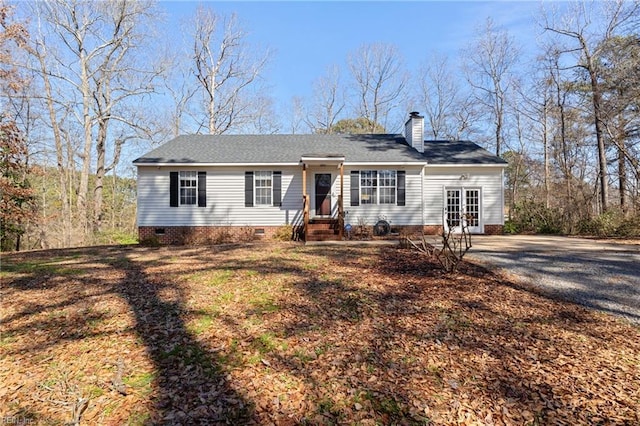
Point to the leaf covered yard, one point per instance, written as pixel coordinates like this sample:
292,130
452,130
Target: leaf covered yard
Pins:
289,334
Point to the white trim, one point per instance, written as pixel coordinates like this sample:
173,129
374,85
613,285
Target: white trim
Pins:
315,195
316,161
384,163
346,163
466,165
463,203
180,165
255,187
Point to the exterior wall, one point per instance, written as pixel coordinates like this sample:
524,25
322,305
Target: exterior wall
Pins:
488,179
409,214
197,235
225,208
225,199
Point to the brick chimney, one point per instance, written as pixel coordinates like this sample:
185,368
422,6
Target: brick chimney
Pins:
414,131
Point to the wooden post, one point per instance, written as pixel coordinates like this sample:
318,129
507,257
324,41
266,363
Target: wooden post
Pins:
341,203
305,201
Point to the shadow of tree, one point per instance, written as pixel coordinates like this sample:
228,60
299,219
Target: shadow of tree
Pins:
190,383
347,335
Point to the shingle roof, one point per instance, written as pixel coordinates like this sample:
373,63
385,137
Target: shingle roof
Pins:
458,152
279,149
243,149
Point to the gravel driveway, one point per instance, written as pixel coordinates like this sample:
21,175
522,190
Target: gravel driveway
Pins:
603,275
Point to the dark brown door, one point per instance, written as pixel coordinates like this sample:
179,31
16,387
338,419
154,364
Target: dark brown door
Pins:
323,194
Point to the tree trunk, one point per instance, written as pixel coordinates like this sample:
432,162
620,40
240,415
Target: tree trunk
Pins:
57,137
545,147
602,155
100,172
83,188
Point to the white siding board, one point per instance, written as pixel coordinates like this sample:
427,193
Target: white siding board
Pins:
225,199
409,214
488,179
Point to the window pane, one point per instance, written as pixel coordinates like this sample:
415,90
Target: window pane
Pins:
368,184
472,207
387,187
188,187
453,207
263,186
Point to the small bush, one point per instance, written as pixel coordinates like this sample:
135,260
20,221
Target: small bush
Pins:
152,241
244,235
284,233
510,227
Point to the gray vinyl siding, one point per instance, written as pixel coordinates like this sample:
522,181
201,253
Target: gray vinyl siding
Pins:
225,199
487,179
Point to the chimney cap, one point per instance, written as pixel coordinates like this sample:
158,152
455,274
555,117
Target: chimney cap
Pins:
414,114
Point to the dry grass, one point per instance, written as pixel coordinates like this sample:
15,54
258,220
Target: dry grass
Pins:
289,334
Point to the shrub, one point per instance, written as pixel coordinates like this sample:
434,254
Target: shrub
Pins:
531,216
152,241
510,227
612,223
284,233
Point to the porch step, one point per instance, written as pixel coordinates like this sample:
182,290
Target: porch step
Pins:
321,229
323,237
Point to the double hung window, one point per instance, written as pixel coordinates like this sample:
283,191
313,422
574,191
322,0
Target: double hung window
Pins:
378,186
188,187
263,184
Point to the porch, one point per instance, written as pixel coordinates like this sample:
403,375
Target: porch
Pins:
323,215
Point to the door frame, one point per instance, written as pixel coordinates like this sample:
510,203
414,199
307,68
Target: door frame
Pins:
479,229
328,196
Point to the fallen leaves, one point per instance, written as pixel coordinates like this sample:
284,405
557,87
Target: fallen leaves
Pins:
287,334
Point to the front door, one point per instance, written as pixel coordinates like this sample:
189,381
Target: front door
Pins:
323,194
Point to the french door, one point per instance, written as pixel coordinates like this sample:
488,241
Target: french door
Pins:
463,208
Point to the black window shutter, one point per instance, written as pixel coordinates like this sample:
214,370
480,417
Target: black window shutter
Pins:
202,189
248,189
355,187
277,189
400,176
173,189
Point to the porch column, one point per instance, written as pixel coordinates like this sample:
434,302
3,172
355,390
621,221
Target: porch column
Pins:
341,203
305,200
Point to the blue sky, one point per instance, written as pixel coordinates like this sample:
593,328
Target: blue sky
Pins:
307,37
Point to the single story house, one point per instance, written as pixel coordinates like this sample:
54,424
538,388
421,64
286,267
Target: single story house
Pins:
318,184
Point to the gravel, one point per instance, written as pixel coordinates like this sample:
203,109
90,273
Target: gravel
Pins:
602,275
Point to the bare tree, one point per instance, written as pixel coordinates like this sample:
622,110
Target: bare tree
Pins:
447,109
583,37
379,81
97,63
296,114
328,102
490,70
620,65
226,70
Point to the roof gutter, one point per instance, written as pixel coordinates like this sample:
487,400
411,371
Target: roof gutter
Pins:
212,164
468,165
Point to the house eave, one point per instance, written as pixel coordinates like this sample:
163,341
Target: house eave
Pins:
384,163
502,165
214,164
